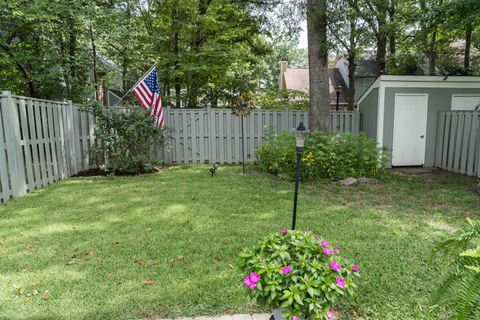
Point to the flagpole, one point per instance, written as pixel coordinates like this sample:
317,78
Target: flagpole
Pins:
129,90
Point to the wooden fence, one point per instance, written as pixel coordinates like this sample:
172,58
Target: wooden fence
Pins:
40,142
44,141
214,135
458,142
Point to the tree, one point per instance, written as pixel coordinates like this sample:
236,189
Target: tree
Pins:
349,34
318,65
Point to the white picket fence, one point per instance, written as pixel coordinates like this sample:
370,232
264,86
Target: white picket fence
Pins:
41,142
458,142
214,135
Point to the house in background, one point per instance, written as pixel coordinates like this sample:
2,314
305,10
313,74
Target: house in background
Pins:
365,73
402,112
297,79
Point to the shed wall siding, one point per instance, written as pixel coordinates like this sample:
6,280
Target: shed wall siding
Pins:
439,99
369,109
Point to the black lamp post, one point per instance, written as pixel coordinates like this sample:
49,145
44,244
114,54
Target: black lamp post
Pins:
300,134
338,90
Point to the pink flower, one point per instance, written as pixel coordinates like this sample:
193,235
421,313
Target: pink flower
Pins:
294,317
355,268
286,270
341,282
336,250
329,314
325,244
254,277
248,283
328,252
335,266
251,280
307,231
284,231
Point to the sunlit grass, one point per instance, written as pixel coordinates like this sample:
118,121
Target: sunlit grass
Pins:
93,242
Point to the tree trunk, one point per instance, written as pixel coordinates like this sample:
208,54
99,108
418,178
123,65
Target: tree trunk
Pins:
468,44
352,67
391,37
432,54
318,65
381,49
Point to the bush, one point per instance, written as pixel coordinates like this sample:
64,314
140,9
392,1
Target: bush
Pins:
334,156
126,137
299,272
459,288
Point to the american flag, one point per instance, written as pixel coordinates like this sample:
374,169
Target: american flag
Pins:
147,92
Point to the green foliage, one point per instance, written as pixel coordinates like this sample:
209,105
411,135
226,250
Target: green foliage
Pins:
333,156
297,272
282,99
460,286
126,136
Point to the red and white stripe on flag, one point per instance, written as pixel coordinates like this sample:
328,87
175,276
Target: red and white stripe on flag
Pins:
147,92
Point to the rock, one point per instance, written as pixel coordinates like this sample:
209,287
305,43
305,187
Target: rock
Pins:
478,188
365,180
350,181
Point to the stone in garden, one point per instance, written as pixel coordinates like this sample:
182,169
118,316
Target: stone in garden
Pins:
350,181
365,180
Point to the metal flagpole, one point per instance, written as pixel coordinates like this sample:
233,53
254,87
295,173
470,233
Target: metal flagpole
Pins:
129,90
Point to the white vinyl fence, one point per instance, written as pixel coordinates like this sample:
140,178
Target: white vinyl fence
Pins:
215,135
458,142
40,142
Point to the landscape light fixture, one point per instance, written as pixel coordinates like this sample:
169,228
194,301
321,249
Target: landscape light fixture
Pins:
301,134
338,90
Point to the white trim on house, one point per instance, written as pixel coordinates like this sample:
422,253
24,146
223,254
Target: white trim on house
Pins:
374,85
453,105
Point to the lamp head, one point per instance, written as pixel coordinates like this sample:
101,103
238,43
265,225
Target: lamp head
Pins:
338,89
300,134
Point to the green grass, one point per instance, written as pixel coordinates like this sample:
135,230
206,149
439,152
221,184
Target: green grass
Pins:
92,242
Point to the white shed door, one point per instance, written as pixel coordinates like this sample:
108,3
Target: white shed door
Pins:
409,129
465,102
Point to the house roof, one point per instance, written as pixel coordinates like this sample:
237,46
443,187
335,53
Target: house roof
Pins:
298,79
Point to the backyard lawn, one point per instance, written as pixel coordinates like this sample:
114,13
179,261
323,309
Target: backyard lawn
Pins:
166,244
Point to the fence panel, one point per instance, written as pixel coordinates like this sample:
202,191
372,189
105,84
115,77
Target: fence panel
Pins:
215,135
41,142
458,142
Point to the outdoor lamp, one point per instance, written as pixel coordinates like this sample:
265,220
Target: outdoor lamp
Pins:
338,90
300,134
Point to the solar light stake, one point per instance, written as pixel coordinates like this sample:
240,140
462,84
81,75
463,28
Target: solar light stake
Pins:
300,134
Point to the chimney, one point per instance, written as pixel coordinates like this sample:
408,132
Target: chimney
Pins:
281,80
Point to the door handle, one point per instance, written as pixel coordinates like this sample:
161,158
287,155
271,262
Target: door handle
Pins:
422,136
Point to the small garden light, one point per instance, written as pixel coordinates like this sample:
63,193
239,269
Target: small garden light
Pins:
300,134
213,169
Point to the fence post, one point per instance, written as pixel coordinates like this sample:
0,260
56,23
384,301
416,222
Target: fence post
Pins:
14,145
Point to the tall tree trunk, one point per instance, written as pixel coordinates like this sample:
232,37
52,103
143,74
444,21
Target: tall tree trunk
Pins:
468,44
176,66
381,52
352,67
392,32
432,54
94,64
318,65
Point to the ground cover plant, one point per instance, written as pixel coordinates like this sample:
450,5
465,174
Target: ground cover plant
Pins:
333,156
167,244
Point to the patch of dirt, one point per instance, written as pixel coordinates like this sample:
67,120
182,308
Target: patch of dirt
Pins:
96,172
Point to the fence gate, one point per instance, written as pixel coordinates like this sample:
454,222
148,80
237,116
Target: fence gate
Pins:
458,142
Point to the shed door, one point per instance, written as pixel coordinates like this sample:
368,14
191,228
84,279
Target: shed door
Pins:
409,129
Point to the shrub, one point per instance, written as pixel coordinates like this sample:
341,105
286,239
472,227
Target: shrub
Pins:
459,287
334,156
126,137
299,272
